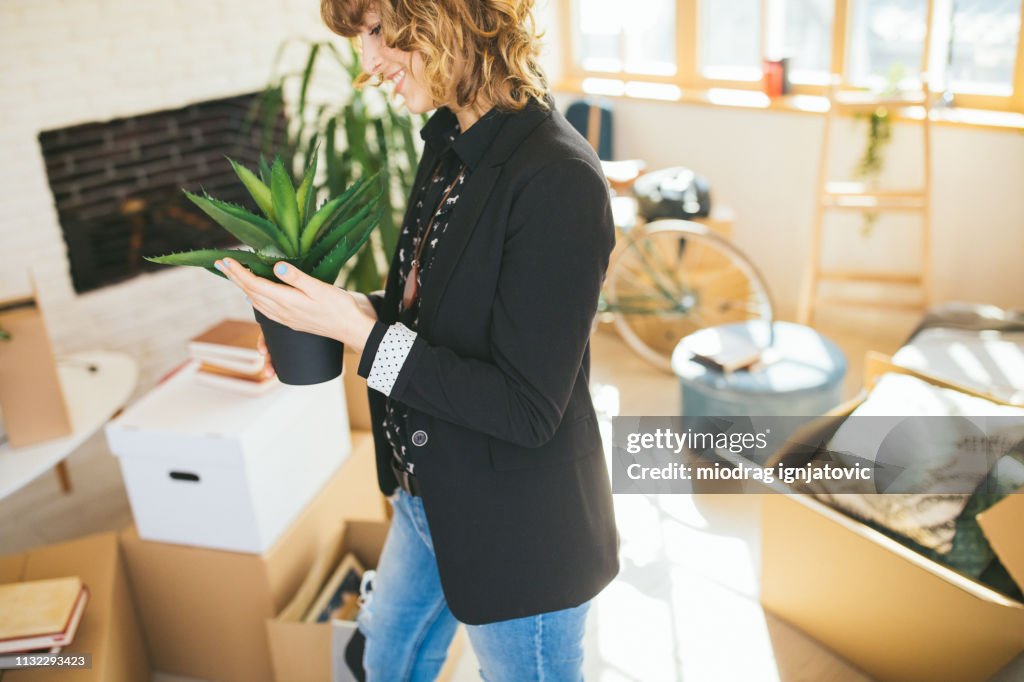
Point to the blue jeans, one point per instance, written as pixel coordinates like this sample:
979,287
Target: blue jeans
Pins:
408,626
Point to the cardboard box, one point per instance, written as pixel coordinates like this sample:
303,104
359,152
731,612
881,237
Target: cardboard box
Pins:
209,468
314,652
109,629
1003,526
203,611
31,395
886,608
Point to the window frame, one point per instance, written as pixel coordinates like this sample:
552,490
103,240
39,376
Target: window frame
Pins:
688,50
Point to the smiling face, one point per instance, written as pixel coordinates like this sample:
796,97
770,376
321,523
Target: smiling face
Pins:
403,69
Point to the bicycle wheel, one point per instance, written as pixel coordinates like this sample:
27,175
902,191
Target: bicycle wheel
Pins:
674,277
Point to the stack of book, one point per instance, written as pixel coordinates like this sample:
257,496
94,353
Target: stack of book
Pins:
229,358
40,616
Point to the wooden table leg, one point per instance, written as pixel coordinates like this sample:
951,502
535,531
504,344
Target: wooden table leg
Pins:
63,476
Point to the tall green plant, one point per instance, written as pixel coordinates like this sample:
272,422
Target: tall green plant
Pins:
353,137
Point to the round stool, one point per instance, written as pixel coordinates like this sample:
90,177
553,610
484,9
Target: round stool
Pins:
801,376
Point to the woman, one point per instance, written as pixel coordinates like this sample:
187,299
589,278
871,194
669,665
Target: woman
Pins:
477,351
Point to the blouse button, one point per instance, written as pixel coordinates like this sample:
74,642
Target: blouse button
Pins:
419,438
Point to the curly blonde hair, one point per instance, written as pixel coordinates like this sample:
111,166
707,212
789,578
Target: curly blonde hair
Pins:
473,50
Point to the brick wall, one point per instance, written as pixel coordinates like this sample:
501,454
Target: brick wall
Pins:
67,62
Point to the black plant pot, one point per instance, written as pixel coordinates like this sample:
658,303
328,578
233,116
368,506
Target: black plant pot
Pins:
300,358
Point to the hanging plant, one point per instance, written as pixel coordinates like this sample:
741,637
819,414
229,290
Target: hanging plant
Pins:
879,135
872,161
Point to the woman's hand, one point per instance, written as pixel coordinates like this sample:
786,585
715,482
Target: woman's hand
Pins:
303,303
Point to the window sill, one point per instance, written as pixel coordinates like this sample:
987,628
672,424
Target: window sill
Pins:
805,104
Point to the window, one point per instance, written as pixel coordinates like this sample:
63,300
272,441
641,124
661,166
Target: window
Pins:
802,31
640,41
731,39
887,39
977,40
970,48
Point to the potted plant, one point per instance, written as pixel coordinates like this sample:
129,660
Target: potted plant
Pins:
318,242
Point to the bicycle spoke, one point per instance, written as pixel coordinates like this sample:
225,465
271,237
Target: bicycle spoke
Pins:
671,281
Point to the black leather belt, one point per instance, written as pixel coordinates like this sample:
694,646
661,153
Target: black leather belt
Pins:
406,480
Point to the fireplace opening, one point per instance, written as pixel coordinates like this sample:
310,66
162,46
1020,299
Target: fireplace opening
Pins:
117,184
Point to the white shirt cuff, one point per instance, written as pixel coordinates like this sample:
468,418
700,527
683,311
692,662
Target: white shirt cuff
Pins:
391,353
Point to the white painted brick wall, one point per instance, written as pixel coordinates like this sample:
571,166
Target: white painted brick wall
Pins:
66,62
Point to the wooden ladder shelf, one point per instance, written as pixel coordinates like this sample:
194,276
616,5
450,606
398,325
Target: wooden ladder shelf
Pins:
864,198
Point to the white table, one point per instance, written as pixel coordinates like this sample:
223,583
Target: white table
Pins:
91,397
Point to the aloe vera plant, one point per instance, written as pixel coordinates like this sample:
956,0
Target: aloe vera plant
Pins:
318,241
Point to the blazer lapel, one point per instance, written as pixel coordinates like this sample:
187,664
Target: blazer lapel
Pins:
472,200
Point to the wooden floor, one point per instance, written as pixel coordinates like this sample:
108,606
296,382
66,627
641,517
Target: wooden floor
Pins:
685,606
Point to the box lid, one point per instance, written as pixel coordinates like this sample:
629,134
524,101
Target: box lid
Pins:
1003,525
184,408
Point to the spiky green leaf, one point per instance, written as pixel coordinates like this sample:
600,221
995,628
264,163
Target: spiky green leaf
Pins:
304,196
257,189
272,252
264,170
352,203
205,258
328,213
372,224
337,231
328,268
345,221
250,229
285,206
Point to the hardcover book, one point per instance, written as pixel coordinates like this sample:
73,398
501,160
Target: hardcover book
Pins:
40,613
231,344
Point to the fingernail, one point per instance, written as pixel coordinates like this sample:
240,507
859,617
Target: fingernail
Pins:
281,268
219,265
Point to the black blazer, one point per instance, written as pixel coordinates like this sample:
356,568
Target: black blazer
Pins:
513,476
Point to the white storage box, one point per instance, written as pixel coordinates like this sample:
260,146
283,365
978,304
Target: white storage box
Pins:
207,467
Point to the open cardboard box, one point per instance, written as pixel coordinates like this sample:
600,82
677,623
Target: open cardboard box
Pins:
109,629
314,652
31,394
203,610
886,608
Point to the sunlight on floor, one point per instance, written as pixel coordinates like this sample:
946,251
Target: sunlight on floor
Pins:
686,595
685,605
